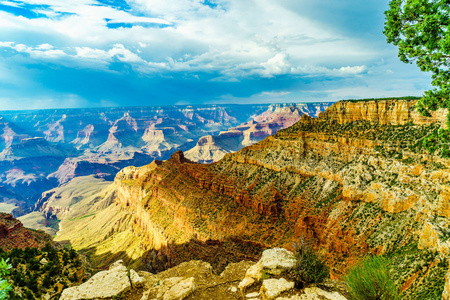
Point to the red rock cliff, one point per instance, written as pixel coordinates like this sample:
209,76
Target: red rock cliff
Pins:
355,180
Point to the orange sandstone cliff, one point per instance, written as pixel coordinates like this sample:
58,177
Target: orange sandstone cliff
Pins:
14,235
356,181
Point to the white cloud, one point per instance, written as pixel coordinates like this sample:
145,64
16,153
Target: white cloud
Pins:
44,47
275,94
9,3
236,39
351,70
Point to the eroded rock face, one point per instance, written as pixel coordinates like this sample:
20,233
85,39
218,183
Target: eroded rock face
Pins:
40,150
14,235
105,284
343,180
385,112
213,148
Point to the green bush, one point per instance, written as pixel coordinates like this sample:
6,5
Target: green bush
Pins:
5,287
310,267
371,280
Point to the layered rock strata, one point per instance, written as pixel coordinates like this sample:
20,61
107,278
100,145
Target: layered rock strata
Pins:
14,235
40,150
354,181
213,148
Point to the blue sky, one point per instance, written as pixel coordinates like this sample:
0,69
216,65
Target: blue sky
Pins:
88,53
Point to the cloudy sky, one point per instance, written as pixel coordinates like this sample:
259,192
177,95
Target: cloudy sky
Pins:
87,53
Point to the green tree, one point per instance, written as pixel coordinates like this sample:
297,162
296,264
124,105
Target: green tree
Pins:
5,287
421,30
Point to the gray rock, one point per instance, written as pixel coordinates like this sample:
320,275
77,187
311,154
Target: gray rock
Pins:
181,290
277,260
271,288
104,284
315,293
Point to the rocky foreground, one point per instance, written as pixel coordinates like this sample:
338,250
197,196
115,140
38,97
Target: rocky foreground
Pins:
195,280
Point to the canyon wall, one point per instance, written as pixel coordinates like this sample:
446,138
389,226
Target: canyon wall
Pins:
213,148
355,181
14,235
40,150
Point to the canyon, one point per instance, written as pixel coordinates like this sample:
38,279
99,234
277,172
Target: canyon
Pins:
14,235
354,181
41,150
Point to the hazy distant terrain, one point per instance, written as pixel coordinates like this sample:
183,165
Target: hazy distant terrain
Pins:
42,149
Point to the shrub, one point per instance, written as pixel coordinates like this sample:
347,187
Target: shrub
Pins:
5,287
371,280
310,267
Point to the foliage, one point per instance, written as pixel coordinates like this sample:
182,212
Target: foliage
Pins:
408,98
420,29
309,267
5,287
372,280
31,279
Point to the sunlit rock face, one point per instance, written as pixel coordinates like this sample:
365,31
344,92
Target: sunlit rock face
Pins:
40,150
212,148
14,235
356,181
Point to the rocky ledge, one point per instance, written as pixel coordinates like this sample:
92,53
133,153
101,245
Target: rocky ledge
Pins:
264,280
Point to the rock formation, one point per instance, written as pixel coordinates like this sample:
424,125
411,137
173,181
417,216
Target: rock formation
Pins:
356,181
40,150
105,284
196,280
14,235
213,148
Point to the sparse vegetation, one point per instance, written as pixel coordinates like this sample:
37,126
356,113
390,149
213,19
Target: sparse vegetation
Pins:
310,267
371,280
410,98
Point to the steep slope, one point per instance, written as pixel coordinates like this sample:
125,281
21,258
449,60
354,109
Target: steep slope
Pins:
356,180
42,149
213,148
14,235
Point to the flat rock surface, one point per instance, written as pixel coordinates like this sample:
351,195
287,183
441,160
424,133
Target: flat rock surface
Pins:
315,293
104,284
276,260
271,288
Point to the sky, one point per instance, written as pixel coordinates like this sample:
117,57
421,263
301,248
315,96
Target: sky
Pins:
100,53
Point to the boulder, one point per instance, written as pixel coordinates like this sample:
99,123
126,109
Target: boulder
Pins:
173,288
246,282
271,288
105,284
181,290
315,293
255,271
252,295
277,260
